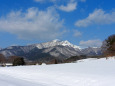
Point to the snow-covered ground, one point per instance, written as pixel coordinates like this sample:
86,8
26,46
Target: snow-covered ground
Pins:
89,72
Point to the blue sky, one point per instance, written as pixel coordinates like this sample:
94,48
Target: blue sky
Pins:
82,22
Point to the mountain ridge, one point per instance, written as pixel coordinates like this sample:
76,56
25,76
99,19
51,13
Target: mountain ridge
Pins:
53,49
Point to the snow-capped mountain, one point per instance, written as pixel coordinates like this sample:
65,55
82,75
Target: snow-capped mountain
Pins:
53,49
55,43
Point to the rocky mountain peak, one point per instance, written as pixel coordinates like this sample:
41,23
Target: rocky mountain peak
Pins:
55,42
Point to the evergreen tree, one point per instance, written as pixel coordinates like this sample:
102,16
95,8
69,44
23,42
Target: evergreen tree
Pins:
108,46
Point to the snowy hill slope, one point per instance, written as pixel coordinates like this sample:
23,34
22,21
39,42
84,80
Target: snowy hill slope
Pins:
89,72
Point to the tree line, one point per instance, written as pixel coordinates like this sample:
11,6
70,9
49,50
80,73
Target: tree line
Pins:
15,60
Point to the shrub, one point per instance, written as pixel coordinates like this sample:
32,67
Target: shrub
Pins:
18,61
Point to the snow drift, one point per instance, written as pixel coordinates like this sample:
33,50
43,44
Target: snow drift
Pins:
88,72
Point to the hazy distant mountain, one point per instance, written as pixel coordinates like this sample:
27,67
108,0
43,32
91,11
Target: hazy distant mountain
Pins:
91,51
49,50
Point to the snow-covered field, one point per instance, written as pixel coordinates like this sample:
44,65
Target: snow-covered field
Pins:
89,72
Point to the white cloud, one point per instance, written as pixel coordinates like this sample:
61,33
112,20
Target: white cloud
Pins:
54,1
71,6
77,33
33,24
99,17
39,0
91,43
83,0
45,0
